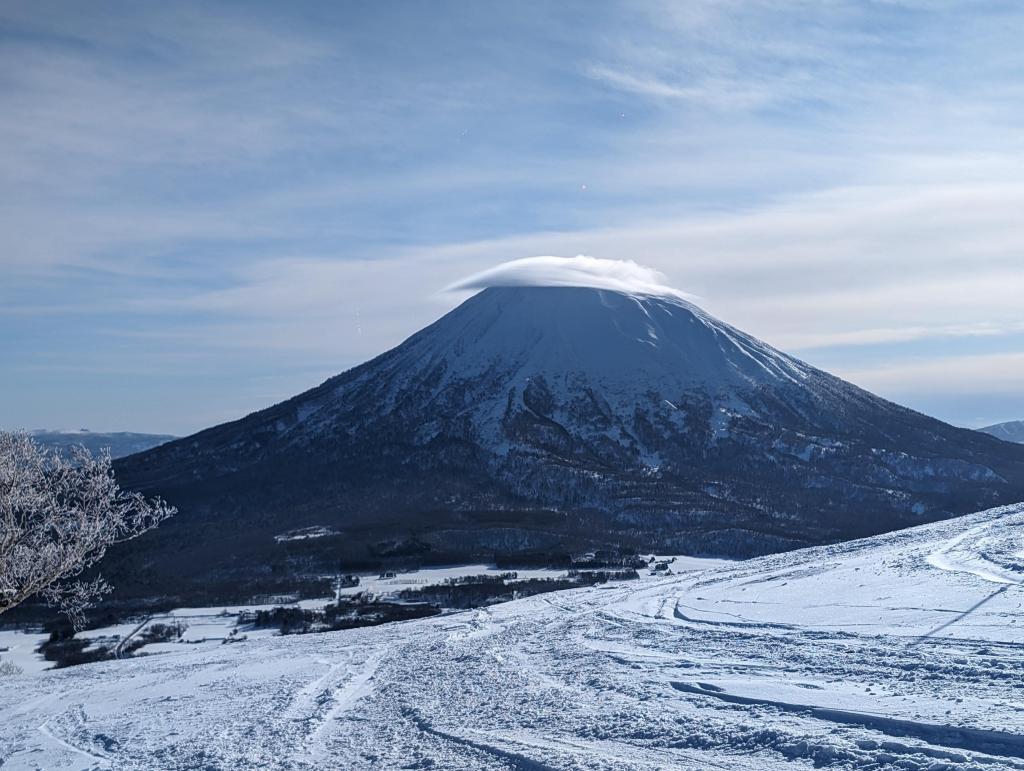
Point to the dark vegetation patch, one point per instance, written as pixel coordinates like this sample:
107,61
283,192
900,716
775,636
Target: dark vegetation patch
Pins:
64,649
346,614
475,591
455,593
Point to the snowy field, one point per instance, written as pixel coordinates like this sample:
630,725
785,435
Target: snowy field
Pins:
904,651
211,626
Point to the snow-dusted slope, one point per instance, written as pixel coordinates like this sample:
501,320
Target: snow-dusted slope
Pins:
623,343
1013,431
903,651
542,419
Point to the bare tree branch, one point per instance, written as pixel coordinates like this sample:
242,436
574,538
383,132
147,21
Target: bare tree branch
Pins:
58,516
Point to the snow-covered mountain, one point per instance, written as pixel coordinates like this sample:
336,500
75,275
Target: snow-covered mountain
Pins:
1012,431
119,443
558,418
898,652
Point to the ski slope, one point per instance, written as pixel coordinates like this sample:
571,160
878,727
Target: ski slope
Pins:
903,651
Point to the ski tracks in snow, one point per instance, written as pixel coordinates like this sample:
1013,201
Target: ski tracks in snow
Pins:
93,760
973,551
322,704
801,660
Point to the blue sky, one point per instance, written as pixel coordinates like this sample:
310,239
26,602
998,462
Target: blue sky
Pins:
206,208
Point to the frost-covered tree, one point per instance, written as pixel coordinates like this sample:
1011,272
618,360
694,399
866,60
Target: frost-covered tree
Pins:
58,516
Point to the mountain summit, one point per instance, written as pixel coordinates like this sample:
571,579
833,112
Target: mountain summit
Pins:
540,418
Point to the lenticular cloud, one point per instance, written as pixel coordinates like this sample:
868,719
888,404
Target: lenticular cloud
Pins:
592,272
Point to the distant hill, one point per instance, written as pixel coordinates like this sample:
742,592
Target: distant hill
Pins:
120,443
1012,431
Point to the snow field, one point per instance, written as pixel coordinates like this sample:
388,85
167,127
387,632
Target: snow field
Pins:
874,654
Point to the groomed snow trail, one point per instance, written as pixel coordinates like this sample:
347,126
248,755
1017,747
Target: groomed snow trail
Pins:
904,651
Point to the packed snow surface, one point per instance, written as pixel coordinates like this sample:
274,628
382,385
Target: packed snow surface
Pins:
900,651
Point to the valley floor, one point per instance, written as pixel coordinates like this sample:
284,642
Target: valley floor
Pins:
902,651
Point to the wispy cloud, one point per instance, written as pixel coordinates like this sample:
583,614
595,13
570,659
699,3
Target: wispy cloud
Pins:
285,190
873,335
718,93
989,374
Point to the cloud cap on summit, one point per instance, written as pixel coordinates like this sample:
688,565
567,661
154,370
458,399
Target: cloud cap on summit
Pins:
581,270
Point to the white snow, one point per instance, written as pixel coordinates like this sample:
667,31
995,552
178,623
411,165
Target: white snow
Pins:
580,341
903,651
18,647
210,626
305,533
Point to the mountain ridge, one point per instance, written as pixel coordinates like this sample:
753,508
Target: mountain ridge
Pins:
119,443
1010,431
